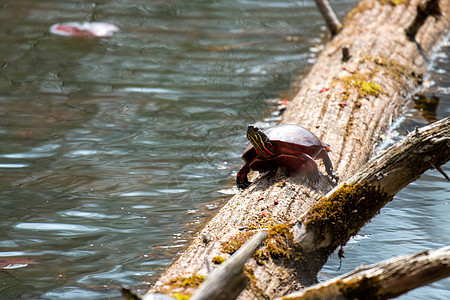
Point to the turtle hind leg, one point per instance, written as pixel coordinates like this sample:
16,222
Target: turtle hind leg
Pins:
241,178
328,165
311,169
301,163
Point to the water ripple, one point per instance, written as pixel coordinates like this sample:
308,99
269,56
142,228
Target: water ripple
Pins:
13,166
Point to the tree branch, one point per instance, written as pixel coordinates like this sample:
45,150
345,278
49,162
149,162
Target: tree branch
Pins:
328,14
384,280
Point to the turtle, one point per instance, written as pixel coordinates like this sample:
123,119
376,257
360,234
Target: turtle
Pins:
290,146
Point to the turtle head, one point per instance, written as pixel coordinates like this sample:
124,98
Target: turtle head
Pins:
260,142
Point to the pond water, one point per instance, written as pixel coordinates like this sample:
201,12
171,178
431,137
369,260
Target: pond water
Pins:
114,150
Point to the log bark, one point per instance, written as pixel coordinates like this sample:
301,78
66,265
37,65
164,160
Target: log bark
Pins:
348,105
384,280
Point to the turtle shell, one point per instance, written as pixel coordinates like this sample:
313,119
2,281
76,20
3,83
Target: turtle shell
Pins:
290,139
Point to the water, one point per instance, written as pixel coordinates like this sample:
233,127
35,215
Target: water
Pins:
112,151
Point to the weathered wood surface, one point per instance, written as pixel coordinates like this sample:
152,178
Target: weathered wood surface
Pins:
384,280
348,105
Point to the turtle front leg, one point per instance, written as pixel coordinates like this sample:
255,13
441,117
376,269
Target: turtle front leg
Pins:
328,166
241,178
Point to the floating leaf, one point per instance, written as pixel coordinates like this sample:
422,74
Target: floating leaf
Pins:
15,262
98,29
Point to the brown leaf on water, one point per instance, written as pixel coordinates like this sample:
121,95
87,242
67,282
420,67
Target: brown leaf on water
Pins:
15,262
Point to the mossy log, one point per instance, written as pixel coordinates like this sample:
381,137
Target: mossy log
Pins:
348,103
384,280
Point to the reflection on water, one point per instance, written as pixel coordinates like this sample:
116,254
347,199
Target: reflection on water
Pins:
112,151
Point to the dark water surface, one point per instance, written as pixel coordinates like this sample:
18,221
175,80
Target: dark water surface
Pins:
113,150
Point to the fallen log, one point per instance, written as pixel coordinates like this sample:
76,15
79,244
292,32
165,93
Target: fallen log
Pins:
383,280
348,103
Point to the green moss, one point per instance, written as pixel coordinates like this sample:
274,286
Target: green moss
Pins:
369,89
218,260
260,256
396,2
279,244
345,96
397,71
365,88
392,2
345,211
390,71
252,281
249,273
181,296
192,281
234,243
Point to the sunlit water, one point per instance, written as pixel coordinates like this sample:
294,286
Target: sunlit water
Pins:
112,151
